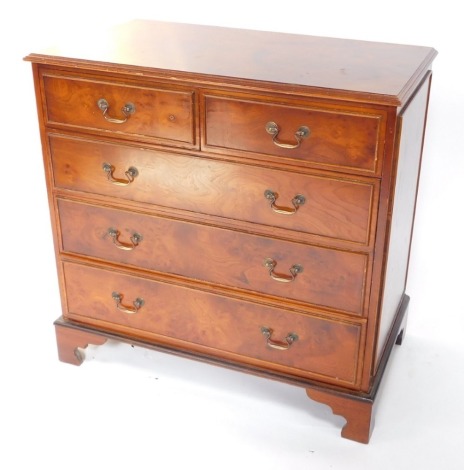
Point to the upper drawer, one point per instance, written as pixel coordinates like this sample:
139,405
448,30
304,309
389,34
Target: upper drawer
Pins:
336,208
132,111
328,137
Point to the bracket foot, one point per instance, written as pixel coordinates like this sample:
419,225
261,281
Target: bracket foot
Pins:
70,338
357,412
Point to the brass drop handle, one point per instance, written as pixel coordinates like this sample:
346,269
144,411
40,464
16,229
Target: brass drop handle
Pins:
297,201
127,110
270,264
273,129
280,345
137,304
135,239
131,174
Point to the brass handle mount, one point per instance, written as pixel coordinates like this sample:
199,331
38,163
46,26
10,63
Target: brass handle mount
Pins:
301,133
280,345
137,304
270,264
135,239
131,174
127,110
297,201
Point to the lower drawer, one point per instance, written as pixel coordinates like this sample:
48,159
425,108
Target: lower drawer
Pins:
324,277
231,329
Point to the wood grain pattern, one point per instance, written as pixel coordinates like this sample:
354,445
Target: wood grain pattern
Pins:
204,161
354,70
341,140
330,278
227,190
160,114
229,328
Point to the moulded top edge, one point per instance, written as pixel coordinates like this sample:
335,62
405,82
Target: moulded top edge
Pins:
353,69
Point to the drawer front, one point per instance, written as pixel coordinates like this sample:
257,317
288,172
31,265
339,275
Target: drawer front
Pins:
335,138
158,114
327,349
330,278
334,208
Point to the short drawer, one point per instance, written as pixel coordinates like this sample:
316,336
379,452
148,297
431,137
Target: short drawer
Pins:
334,138
295,343
338,208
319,276
125,110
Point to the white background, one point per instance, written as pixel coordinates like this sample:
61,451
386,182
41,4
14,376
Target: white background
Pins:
130,408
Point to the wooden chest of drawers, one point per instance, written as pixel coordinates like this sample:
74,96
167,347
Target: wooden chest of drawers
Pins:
237,197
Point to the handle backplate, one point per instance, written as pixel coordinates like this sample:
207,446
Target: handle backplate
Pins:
297,201
279,345
135,239
137,304
301,133
127,110
270,264
131,174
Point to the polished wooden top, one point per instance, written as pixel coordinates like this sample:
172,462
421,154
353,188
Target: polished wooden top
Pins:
376,72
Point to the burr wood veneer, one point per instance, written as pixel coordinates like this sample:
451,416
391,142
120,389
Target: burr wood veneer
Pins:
243,198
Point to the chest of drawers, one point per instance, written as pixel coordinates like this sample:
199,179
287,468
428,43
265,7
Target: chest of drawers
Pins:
243,198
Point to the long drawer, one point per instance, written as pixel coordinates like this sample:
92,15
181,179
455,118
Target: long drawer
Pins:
126,110
334,138
319,276
326,206
280,340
